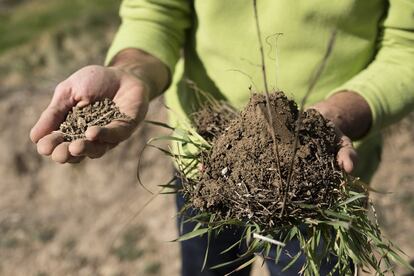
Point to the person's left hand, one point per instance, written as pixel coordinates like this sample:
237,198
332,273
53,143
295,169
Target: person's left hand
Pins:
351,117
347,156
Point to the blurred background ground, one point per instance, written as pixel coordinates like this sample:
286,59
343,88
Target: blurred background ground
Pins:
80,219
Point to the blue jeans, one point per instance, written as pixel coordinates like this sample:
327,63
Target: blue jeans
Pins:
193,252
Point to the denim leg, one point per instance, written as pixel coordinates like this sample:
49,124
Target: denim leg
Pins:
292,248
193,250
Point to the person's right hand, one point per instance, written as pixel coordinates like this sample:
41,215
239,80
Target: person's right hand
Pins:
85,86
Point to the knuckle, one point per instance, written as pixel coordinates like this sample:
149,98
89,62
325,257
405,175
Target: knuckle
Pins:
61,88
92,68
346,142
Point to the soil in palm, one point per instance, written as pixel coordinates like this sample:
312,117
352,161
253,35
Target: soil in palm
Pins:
241,176
99,113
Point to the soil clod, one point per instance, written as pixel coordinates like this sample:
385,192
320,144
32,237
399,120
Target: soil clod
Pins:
212,119
240,177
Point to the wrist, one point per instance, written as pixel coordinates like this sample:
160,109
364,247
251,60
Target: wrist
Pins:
349,112
144,67
146,83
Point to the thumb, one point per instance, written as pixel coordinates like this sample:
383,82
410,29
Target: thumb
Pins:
54,114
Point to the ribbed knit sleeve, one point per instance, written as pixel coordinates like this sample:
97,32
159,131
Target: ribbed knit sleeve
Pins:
154,26
387,84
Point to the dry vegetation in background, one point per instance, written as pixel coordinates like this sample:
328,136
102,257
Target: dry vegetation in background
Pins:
78,219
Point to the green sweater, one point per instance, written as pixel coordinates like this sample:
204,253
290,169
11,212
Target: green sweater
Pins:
373,52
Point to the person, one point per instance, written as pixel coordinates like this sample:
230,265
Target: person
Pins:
367,83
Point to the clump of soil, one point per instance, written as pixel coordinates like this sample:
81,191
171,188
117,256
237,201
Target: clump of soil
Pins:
241,178
212,119
99,113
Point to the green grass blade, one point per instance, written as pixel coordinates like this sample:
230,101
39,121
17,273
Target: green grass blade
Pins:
227,263
292,261
234,245
161,124
192,234
174,138
352,199
167,152
207,249
246,264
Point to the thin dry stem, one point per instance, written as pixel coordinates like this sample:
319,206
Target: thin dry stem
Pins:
312,84
276,36
97,120
269,111
266,239
247,75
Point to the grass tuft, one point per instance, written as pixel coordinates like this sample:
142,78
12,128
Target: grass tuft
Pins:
344,230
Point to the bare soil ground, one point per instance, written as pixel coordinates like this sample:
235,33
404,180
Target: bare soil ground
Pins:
81,219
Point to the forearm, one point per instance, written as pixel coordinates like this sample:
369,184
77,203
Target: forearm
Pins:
387,82
144,67
349,112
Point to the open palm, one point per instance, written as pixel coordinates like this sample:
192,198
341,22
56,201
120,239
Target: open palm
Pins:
87,85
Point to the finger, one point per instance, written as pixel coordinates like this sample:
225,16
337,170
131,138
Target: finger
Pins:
83,103
113,133
61,153
92,149
54,114
48,122
48,143
347,156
